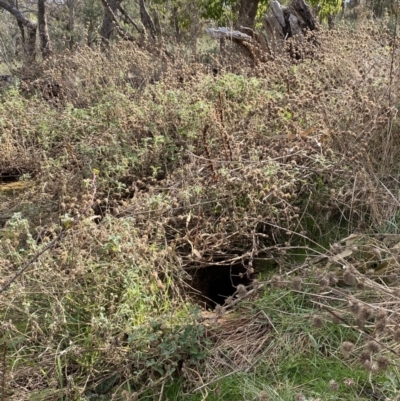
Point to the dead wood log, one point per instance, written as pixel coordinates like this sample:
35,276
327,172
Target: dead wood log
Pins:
280,24
283,23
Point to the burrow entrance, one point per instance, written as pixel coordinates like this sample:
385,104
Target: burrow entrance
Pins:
213,284
10,175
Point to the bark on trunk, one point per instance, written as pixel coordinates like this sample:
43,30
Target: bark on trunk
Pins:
107,27
128,18
114,23
20,26
247,13
146,19
331,21
71,22
30,46
45,44
285,22
342,9
31,27
157,24
176,24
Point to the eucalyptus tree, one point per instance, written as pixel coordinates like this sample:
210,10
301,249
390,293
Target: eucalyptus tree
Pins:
28,28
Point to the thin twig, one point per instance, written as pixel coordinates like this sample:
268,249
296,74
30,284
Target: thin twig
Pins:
3,372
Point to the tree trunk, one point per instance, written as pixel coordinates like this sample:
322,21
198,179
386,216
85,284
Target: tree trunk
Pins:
20,26
247,13
107,27
31,26
284,22
45,44
111,22
280,24
176,24
127,18
331,21
146,19
157,24
30,46
71,22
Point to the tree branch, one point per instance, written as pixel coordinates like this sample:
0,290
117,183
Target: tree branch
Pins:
128,18
147,21
18,15
118,27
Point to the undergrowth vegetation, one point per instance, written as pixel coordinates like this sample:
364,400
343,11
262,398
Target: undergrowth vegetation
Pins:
123,173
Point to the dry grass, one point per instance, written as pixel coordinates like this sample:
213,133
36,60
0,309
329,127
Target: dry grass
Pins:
340,307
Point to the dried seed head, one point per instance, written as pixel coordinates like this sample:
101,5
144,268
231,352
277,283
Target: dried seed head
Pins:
296,283
360,323
317,321
364,357
276,281
381,315
354,307
372,347
393,278
333,280
383,362
371,366
219,310
347,348
334,386
241,290
380,326
381,321
263,396
349,382
349,278
360,283
396,335
323,281
336,318
365,313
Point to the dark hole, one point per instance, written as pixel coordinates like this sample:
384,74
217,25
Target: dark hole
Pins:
216,283
10,175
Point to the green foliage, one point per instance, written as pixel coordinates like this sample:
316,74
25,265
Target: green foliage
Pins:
225,12
235,88
221,11
327,8
175,11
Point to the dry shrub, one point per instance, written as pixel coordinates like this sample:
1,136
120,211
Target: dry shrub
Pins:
252,333
100,310
194,169
355,285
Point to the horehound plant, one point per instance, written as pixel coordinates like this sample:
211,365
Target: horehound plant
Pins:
353,286
92,317
194,169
